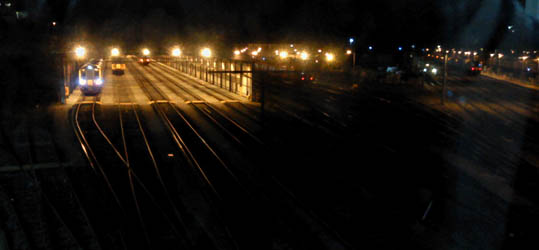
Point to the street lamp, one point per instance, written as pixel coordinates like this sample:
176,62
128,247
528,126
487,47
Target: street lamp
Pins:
206,52
330,57
146,51
115,52
283,54
522,73
304,56
80,52
176,52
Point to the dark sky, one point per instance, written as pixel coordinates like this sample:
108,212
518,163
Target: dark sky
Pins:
382,22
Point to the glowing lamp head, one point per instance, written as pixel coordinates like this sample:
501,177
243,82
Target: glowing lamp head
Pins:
115,52
348,52
146,52
176,52
330,57
304,56
80,52
237,52
206,52
283,54
254,53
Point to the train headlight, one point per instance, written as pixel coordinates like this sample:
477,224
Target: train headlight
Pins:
82,82
99,81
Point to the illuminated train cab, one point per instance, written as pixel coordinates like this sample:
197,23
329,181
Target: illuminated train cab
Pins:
91,77
144,60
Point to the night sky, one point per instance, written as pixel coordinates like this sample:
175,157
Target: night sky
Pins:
381,22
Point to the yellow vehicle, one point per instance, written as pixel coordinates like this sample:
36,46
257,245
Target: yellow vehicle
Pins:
118,67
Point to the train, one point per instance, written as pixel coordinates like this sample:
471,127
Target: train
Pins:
118,66
91,77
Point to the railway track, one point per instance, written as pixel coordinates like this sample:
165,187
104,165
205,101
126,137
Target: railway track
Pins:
172,118
236,189
48,203
221,96
231,127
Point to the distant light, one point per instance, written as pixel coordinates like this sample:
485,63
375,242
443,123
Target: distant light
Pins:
304,55
523,58
177,52
259,49
400,48
348,52
115,52
291,45
80,52
475,53
276,52
492,55
316,61
427,65
351,40
529,69
264,58
439,46
500,56
295,50
255,53
90,67
237,52
370,47
283,54
425,70
330,57
53,23
319,51
434,71
206,52
145,51
460,52
8,4
427,49
413,46
510,27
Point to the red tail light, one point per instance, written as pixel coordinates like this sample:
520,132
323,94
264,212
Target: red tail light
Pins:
147,60
141,60
479,69
312,78
473,68
303,78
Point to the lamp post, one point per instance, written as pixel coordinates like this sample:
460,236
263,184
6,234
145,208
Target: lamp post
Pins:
445,78
522,71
